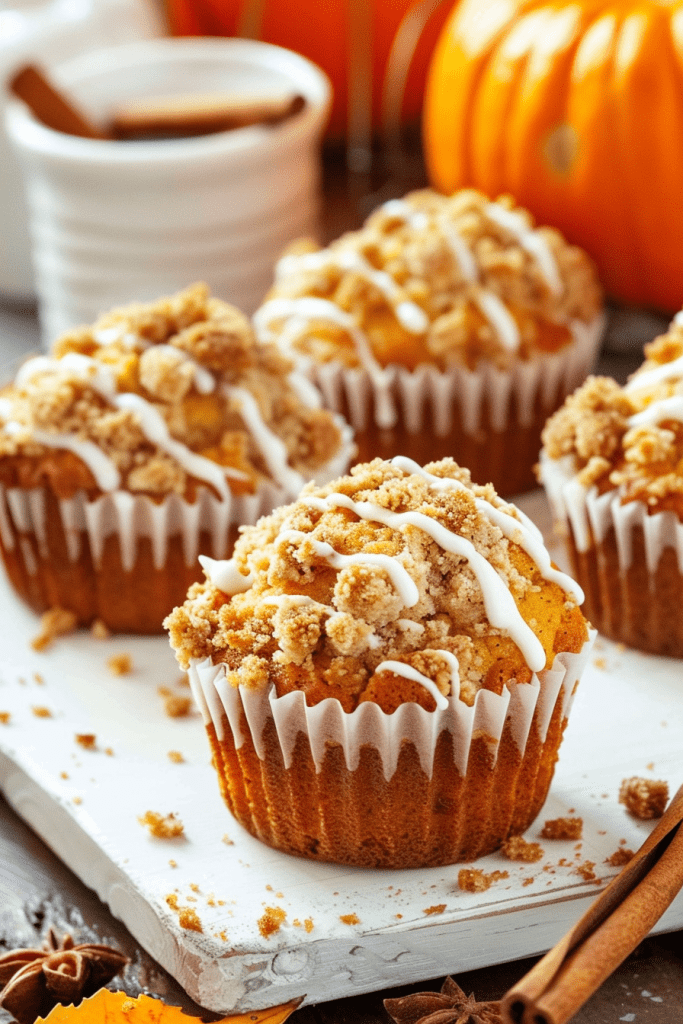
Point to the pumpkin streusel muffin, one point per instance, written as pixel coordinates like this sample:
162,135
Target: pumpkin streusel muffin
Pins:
385,668
445,326
140,442
612,465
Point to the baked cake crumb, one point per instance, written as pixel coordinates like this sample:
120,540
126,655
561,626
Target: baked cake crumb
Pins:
64,775
173,863
99,630
109,751
528,881
476,880
41,712
438,908
227,840
188,918
120,664
38,679
5,717
54,622
78,799
587,872
349,919
517,848
562,828
271,921
621,856
87,740
163,827
176,706
644,798
176,757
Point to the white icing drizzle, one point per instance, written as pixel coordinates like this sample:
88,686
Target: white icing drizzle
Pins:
407,625
204,380
401,210
499,317
463,254
656,375
399,576
107,476
110,335
529,239
408,672
305,391
6,408
272,447
664,409
225,575
521,531
101,379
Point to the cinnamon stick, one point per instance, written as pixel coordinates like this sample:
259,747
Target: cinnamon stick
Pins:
52,109
201,114
561,982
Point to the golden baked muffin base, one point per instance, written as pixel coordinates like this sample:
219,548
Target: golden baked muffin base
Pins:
631,606
134,601
360,818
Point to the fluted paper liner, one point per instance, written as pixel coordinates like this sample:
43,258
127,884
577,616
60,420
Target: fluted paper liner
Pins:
511,395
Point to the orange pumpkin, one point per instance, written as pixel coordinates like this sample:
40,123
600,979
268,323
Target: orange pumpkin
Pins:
322,32
107,1007
576,108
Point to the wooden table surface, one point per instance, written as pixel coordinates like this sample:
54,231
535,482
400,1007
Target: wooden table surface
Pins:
37,890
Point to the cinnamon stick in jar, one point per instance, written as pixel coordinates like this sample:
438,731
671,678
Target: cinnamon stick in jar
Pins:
199,114
565,978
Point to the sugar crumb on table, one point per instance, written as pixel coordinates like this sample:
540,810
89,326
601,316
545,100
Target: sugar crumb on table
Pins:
477,880
167,826
644,798
349,919
175,757
87,740
54,622
5,717
518,848
120,664
622,855
271,921
99,630
177,706
562,828
438,908
41,712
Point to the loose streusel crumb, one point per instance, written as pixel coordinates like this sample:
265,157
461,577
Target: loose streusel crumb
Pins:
176,706
349,919
162,826
64,775
38,679
421,270
99,630
120,664
517,848
173,863
53,623
188,918
271,921
5,717
78,800
227,840
644,798
87,740
109,751
354,616
176,757
41,712
587,871
477,880
621,856
562,828
193,364
438,908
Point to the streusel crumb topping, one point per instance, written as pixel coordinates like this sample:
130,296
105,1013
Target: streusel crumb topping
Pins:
158,398
630,437
392,584
433,279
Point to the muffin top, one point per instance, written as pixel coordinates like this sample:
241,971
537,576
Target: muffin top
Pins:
392,584
432,279
629,438
161,398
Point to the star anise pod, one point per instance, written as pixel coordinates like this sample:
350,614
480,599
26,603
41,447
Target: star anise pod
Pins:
449,1006
35,980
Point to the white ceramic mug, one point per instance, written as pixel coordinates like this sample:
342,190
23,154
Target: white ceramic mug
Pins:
113,222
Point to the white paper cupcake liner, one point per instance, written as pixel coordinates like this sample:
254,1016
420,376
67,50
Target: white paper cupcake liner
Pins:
397,394
132,517
327,722
592,515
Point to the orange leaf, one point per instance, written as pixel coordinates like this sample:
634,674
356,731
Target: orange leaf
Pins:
107,1007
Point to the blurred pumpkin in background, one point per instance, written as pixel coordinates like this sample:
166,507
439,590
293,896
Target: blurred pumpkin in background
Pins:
576,109
351,40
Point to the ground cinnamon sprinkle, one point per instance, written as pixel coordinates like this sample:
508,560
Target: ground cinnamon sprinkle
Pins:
270,922
120,664
562,828
476,880
168,827
517,848
349,918
87,740
644,798
620,857
53,623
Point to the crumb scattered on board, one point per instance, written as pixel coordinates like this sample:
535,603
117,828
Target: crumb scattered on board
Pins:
54,622
270,921
5,717
621,856
87,740
167,826
176,757
644,798
188,918
41,712
120,664
517,848
349,918
562,828
438,908
477,880
99,630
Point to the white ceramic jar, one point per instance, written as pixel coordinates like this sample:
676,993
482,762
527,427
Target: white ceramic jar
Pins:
114,222
44,32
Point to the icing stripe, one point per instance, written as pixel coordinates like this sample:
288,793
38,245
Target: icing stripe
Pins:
498,316
529,239
656,375
225,575
272,448
107,476
399,668
665,409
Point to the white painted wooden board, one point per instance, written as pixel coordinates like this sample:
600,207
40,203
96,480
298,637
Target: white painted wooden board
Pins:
408,925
